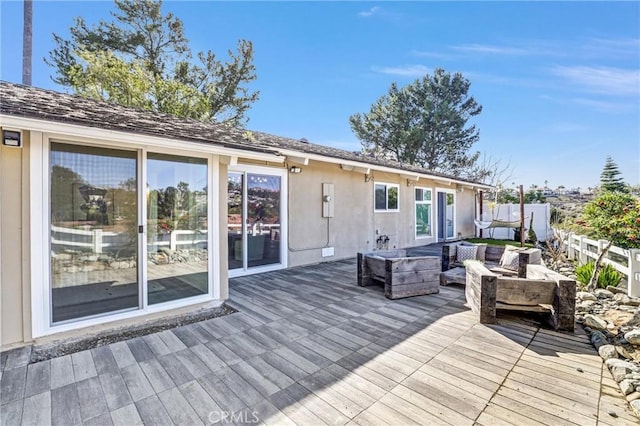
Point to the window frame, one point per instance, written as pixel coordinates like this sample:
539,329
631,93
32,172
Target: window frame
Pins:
41,310
415,211
386,185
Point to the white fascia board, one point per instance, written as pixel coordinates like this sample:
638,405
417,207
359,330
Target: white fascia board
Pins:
75,130
298,160
360,166
414,178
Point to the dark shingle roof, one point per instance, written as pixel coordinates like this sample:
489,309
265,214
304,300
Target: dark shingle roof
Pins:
29,102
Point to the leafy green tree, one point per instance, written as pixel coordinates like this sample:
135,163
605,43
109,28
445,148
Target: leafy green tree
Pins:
424,124
141,58
610,179
534,196
614,216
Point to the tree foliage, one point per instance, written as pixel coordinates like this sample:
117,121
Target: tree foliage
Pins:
424,124
614,216
610,179
142,59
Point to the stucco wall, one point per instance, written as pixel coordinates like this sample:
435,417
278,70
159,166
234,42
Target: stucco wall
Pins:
14,288
348,231
355,225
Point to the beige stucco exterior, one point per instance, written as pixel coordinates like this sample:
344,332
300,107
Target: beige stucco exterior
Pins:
15,312
353,227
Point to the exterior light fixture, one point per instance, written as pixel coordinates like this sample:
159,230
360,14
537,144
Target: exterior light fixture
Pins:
295,169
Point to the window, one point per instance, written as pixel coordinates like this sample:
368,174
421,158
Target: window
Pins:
99,264
386,196
423,212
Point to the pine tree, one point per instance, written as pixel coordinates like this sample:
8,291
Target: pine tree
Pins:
610,179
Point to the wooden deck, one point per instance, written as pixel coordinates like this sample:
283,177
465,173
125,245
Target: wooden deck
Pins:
310,347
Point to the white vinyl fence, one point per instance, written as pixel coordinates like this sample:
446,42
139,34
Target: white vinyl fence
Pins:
511,212
626,261
99,241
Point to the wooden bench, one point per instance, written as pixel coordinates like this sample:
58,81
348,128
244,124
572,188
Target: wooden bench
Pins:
402,276
543,291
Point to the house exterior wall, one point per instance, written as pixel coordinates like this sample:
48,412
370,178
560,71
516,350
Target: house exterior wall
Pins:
22,185
348,231
356,225
353,226
14,277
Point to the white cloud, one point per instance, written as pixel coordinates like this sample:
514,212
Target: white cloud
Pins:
612,47
567,127
599,105
491,49
434,55
604,80
375,10
404,71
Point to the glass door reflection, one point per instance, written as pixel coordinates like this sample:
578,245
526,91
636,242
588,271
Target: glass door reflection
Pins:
177,228
235,235
94,231
263,219
253,220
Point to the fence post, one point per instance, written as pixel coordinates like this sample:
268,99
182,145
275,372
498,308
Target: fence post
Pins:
633,280
601,244
173,238
97,241
571,252
582,246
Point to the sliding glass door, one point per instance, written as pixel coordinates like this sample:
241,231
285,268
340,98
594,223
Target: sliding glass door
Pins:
177,229
255,212
97,244
94,231
446,215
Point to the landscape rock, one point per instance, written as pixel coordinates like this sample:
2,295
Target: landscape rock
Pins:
621,298
619,373
626,386
613,289
598,339
635,396
585,295
633,337
603,294
616,362
595,322
635,405
608,351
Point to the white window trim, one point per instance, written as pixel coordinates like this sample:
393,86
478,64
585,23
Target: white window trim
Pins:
415,215
40,232
387,186
284,224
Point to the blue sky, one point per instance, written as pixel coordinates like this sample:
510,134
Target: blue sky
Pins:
559,82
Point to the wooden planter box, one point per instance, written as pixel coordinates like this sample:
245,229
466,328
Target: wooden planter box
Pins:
543,290
402,276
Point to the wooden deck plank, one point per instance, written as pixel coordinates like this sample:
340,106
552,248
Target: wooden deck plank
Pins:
538,401
444,412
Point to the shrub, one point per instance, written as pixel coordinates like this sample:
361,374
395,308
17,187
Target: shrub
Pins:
608,275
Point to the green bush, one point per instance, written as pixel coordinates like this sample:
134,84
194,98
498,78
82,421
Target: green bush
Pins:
608,275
